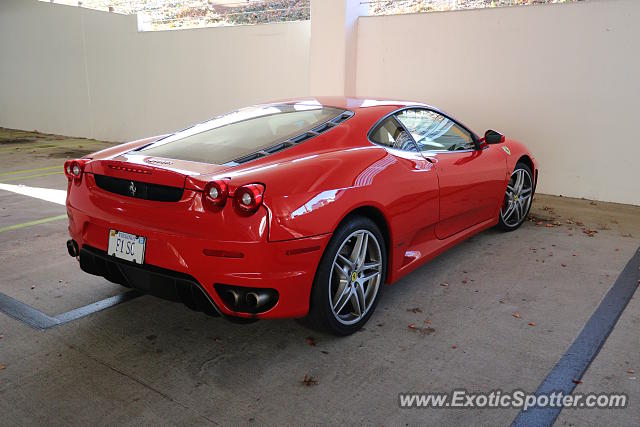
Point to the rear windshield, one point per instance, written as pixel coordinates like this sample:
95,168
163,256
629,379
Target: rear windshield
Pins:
242,132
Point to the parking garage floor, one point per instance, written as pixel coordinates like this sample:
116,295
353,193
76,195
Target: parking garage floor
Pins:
497,312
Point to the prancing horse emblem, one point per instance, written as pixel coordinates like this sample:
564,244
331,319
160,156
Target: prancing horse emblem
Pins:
132,189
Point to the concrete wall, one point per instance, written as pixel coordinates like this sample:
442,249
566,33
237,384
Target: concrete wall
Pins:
564,79
87,73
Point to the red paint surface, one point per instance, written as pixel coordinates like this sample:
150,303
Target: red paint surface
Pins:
428,205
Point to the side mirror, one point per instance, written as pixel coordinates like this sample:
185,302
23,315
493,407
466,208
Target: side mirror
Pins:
493,137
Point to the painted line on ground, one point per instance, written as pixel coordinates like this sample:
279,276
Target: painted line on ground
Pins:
19,178
25,171
39,320
32,223
575,362
49,194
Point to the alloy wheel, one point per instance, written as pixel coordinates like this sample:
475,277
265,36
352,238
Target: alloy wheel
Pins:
355,276
517,199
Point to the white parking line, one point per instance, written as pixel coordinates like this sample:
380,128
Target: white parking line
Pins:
48,194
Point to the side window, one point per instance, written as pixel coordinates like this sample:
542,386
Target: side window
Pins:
389,133
435,132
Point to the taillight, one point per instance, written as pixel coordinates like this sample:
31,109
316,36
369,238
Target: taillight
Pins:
216,192
73,169
248,198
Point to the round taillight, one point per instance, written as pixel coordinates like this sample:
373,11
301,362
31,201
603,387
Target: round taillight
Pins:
73,169
249,197
216,192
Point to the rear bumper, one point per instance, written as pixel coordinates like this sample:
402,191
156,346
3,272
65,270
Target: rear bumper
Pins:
178,267
156,281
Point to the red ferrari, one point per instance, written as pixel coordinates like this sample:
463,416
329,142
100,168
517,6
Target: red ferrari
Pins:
292,209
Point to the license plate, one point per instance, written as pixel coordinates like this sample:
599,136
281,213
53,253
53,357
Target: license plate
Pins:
126,246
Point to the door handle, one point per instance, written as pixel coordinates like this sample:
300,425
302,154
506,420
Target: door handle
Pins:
433,160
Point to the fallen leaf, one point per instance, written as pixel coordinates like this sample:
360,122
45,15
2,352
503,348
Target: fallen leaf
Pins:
454,346
427,321
445,284
564,265
311,341
324,351
631,371
516,314
412,326
531,323
2,366
501,301
424,331
309,380
415,310
576,381
464,281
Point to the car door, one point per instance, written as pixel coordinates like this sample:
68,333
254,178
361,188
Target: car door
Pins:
414,211
471,179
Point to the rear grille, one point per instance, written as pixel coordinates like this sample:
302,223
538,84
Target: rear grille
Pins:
160,282
139,190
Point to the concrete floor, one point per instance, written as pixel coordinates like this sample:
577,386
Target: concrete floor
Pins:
149,361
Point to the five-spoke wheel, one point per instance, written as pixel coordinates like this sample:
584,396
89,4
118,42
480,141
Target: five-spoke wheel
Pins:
349,278
355,277
517,199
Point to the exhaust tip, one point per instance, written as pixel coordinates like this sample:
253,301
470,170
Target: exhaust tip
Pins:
232,297
256,300
72,248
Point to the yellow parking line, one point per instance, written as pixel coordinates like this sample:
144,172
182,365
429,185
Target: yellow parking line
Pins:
30,223
18,178
31,170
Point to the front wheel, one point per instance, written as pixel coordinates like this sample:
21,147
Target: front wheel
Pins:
517,198
349,278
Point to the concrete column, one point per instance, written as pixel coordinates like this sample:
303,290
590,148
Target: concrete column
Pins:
334,31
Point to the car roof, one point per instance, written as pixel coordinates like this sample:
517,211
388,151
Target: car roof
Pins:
350,103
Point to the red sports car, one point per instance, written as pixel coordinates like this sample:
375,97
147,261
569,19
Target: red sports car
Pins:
292,209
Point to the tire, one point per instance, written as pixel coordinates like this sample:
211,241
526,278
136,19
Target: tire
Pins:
517,198
335,295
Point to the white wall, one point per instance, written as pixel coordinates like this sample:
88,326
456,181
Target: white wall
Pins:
87,73
564,79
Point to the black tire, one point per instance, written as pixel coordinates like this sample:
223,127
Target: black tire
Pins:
321,315
510,224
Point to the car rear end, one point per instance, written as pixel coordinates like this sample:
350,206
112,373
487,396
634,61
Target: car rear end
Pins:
185,231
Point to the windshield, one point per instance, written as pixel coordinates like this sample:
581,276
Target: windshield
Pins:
242,132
